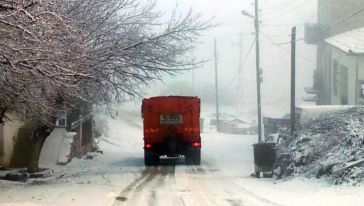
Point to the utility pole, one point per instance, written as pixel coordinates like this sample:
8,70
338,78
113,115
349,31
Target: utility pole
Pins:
216,90
293,80
258,71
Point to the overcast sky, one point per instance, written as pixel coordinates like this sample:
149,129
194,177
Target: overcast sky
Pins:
277,17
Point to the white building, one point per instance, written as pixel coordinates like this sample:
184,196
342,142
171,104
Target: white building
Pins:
346,74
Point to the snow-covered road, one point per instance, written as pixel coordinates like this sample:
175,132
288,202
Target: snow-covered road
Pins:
119,177
173,183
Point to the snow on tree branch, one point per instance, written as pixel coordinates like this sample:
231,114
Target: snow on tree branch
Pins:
54,53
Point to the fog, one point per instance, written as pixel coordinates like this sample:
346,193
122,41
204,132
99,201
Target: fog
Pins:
75,129
277,17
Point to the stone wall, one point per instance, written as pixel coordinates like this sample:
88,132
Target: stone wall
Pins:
8,136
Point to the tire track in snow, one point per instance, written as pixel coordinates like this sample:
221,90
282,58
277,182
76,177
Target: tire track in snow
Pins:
142,186
203,185
207,185
125,193
236,188
188,188
154,190
252,196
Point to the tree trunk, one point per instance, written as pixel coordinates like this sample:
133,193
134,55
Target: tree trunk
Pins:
2,114
40,135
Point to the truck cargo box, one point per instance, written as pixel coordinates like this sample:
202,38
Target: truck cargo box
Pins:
171,126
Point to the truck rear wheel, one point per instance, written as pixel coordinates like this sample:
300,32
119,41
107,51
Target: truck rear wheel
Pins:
150,158
193,156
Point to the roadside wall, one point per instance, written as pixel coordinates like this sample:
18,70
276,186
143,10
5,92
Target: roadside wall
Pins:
8,136
51,149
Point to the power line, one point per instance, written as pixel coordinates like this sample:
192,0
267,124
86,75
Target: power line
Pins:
316,13
313,15
233,24
284,34
286,50
239,70
289,11
232,34
280,25
278,5
328,28
299,25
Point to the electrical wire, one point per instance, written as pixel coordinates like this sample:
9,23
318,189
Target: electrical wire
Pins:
316,13
299,26
286,50
234,24
278,8
309,18
289,11
280,25
278,5
328,28
243,63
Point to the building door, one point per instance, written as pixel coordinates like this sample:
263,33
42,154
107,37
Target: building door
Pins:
344,87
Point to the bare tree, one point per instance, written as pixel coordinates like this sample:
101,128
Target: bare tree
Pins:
42,62
55,53
41,54
130,45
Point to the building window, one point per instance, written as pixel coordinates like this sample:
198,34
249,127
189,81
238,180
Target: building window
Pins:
361,89
336,77
344,85
61,121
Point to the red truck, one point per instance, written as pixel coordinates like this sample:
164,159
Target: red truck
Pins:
171,127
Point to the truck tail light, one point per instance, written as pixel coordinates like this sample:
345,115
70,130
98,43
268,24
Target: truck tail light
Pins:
190,129
152,130
196,144
148,146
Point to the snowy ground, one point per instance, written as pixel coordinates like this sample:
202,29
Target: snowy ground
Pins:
119,177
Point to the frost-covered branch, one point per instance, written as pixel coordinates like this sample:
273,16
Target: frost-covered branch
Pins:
56,52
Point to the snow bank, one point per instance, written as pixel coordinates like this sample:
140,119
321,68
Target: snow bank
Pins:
53,148
307,113
329,146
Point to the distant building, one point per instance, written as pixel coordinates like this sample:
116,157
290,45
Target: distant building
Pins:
338,36
347,70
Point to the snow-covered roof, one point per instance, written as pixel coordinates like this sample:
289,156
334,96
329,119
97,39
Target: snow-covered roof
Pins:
310,112
350,42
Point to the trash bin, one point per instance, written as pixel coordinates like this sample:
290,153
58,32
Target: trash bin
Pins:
265,155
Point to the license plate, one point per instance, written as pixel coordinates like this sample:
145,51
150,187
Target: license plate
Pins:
171,119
